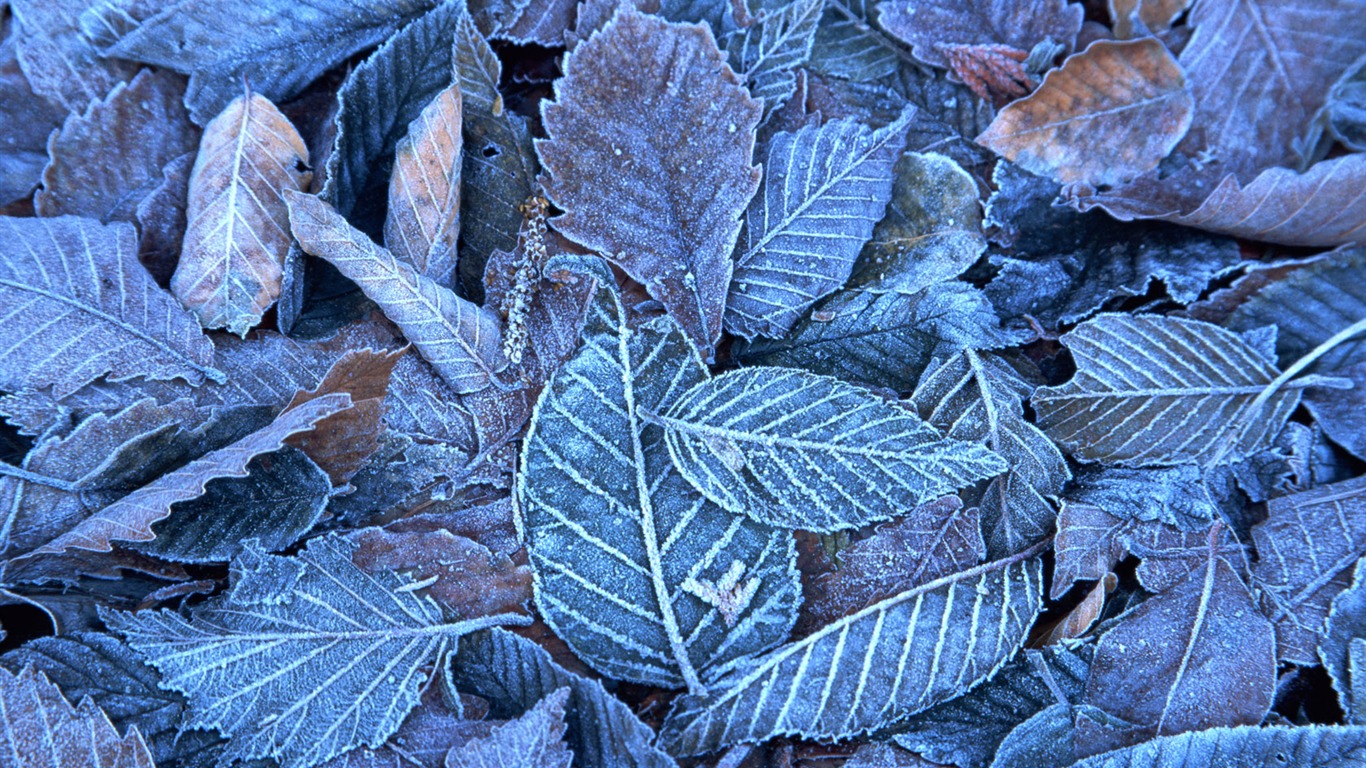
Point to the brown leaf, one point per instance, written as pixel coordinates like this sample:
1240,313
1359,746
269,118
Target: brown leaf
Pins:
25,124
104,161
994,72
651,140
424,191
341,443
238,224
1079,619
43,730
534,740
131,517
928,25
58,58
466,579
1134,18
1111,113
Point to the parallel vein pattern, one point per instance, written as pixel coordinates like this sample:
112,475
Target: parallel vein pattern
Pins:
870,669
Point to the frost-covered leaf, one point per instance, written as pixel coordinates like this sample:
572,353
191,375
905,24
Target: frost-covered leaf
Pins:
423,218
1343,648
1109,114
131,517
342,442
461,340
43,730
848,44
106,159
1208,657
870,669
825,187
237,231
514,673
644,577
884,339
1306,550
278,47
800,450
927,25
932,231
1133,17
979,397
651,137
1160,390
24,128
534,740
1078,621
64,66
967,730
79,306
305,658
1342,118
1176,496
1321,746
279,499
766,53
161,219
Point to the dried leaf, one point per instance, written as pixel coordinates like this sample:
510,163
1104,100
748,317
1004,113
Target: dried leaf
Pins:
534,740
995,73
45,730
161,219
342,442
237,231
105,160
766,53
825,187
848,44
24,128
63,66
1081,618
1175,496
1111,113
424,191
460,340
669,146
80,307
1318,745
926,25
1343,648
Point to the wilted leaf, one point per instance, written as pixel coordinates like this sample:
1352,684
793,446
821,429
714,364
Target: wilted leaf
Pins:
795,449
848,44
1306,550
883,339
1250,746
63,66
1159,390
651,137
1343,648
343,441
43,729
514,673
766,53
278,48
1208,657
825,187
303,659
237,231
80,306
932,231
927,25
105,160
873,668
1111,113
461,341
1175,496
423,219
646,580
534,740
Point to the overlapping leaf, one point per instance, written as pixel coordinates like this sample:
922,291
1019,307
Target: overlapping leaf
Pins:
63,65
927,25
1343,648
423,218
644,577
43,730
765,54
1318,745
304,658
534,740
848,44
25,128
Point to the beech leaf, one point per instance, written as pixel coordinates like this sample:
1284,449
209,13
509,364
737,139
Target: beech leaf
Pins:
43,730
424,191
534,740
927,25
1318,745
765,54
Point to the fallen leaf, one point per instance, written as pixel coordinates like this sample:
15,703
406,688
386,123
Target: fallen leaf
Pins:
424,190
341,442
1081,618
1132,18
928,25
995,73
534,740
45,730
61,63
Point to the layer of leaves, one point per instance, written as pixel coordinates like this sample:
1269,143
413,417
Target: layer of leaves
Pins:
1331,747
1343,648
43,729
534,740
929,25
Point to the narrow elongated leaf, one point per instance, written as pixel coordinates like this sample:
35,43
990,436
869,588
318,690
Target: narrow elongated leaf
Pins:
461,341
279,49
534,740
79,306
1160,390
642,576
42,729
514,673
651,137
875,667
1321,746
303,659
765,54
1306,549
795,449
423,220
825,187
237,233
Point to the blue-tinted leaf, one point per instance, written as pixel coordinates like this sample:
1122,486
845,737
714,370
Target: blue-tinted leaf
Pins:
766,53
1248,747
43,730
848,44
1176,496
1343,649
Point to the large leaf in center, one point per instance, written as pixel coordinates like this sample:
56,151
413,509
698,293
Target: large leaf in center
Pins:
640,574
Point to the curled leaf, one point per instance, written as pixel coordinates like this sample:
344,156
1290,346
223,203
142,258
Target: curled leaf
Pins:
424,191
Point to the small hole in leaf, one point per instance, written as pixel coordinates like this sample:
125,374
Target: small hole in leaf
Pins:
491,150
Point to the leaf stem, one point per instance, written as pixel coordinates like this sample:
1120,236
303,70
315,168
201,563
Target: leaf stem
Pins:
33,477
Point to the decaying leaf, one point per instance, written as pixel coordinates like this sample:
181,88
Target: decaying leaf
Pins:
342,442
766,53
23,131
848,44
65,67
1083,617
1111,113
237,231
534,740
1343,647
651,137
43,730
424,191
1249,745
1133,17
927,25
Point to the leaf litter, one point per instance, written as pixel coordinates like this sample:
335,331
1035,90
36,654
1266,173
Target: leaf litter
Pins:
682,384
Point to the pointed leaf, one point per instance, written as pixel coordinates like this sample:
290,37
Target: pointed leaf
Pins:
79,306
643,577
1160,390
799,450
424,191
534,740
461,341
848,44
766,53
1321,746
1343,649
926,25
238,225
825,187
870,669
343,441
651,137
303,659
43,730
